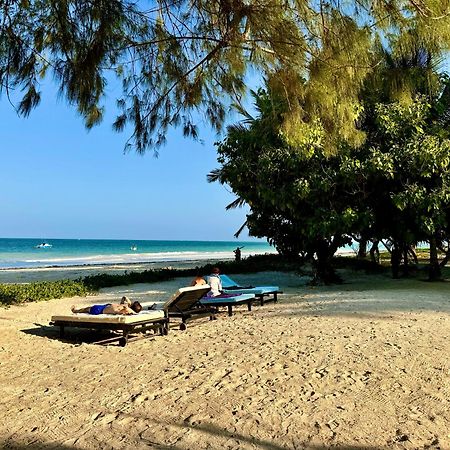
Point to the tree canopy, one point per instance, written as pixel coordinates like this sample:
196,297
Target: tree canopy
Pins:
180,58
393,188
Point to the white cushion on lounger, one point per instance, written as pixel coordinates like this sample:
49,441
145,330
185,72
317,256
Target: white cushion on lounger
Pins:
202,290
203,287
110,318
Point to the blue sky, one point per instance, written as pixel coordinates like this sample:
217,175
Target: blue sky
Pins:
60,181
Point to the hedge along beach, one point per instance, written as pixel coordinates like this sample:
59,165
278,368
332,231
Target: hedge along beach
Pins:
364,365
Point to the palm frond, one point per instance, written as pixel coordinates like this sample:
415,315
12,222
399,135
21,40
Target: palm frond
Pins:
238,232
214,175
248,118
238,203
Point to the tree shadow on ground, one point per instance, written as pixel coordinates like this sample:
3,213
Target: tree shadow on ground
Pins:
11,445
367,297
206,428
264,444
367,311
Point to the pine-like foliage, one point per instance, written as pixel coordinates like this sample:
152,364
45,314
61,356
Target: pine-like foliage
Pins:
182,58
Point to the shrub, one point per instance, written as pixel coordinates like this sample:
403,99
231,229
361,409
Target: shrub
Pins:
39,291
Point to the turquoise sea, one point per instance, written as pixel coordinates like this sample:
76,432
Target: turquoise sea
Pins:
24,253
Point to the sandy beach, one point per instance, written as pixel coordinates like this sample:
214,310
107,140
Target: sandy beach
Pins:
364,365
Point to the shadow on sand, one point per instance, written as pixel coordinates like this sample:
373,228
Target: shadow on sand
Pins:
77,336
367,297
215,431
206,429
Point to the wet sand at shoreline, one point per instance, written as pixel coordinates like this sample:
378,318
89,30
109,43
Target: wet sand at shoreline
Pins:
364,365
28,275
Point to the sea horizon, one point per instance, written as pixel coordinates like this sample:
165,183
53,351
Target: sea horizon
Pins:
18,253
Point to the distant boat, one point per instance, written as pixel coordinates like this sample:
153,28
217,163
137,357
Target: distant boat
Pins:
133,247
44,245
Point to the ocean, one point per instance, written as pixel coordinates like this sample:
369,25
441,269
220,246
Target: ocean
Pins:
31,253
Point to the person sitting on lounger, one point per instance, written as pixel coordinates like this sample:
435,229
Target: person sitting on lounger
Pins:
198,281
109,308
215,282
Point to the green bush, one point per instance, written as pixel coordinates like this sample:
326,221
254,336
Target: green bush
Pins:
95,282
251,264
45,290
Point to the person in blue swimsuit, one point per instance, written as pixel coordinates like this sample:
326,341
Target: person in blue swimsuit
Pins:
98,309
109,308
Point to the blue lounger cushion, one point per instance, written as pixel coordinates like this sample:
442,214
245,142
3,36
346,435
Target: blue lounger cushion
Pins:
227,282
234,300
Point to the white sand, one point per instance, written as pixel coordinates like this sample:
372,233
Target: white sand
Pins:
364,365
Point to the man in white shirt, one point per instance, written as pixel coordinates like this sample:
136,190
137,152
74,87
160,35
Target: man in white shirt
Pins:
215,282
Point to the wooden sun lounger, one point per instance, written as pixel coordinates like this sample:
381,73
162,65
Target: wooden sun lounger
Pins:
185,305
139,323
229,302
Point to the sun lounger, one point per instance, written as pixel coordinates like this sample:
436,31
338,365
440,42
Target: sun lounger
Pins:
185,305
231,287
229,301
136,323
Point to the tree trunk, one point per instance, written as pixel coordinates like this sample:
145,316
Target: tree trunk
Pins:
405,267
362,250
434,270
413,254
396,256
324,270
375,252
446,257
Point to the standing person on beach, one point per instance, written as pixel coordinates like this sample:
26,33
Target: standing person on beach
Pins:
109,308
237,254
215,282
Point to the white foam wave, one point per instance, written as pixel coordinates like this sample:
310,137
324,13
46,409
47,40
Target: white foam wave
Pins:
134,258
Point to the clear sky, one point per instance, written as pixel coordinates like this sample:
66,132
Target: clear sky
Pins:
57,180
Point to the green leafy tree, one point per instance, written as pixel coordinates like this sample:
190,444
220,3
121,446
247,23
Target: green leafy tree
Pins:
406,72
414,205
180,58
394,188
297,195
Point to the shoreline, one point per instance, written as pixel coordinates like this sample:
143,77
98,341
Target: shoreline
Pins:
53,273
59,272
162,264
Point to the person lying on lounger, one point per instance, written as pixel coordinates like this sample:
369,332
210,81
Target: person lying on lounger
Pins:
109,308
125,301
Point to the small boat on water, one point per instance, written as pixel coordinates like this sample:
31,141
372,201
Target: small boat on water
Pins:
133,247
44,245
